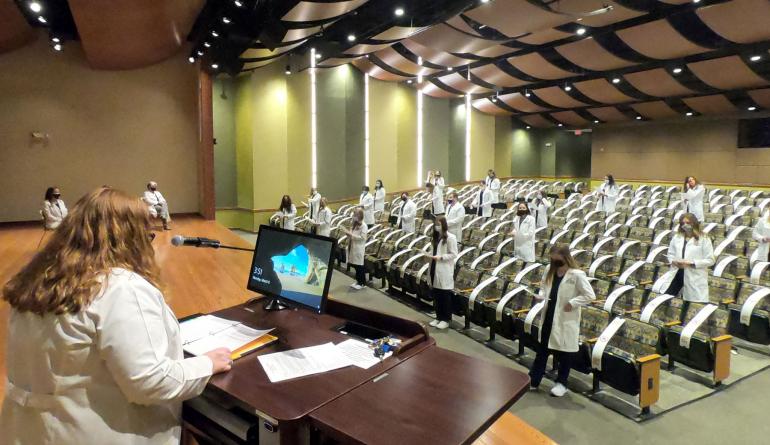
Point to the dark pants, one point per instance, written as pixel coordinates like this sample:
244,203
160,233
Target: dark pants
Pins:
537,371
442,301
676,284
360,274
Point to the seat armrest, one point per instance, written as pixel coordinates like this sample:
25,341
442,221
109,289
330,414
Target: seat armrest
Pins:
613,274
671,323
592,340
633,311
521,311
728,301
489,300
721,338
645,283
648,358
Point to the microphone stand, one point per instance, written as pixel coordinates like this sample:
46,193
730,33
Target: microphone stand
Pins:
222,246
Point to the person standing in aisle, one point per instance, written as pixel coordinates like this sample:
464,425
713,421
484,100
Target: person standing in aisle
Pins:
482,203
54,210
379,196
323,220
608,195
692,197
313,201
442,266
356,245
407,214
761,234
523,233
539,208
455,216
565,289
287,213
438,181
366,201
493,185
437,199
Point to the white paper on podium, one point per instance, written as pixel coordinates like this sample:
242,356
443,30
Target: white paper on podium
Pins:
360,353
286,365
203,326
232,338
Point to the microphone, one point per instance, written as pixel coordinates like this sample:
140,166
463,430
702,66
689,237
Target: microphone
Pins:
180,240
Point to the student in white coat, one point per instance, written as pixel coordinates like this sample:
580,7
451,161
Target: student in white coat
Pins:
692,197
158,205
287,213
442,269
538,207
313,204
366,202
94,353
379,196
690,254
323,219
493,184
607,195
455,216
482,202
54,209
565,289
523,233
761,234
437,199
356,245
407,214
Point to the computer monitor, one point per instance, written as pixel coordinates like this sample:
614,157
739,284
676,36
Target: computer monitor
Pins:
292,267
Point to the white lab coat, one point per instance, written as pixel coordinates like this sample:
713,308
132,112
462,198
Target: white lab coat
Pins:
455,217
154,199
437,200
540,212
696,283
314,203
287,218
379,199
54,213
357,245
524,240
366,201
483,201
406,216
113,373
323,220
576,290
692,201
607,202
438,181
762,231
445,266
494,188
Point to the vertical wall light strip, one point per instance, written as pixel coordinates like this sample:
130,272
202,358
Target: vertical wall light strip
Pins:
467,137
419,125
313,119
366,128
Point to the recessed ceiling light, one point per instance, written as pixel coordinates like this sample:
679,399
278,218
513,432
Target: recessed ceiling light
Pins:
42,19
756,58
677,70
494,99
317,55
638,118
560,125
207,44
238,3
696,1
596,122
752,108
616,80
35,7
215,66
191,59
528,127
288,70
689,113
226,20
399,12
214,34
580,31
484,1
527,93
567,88
55,39
57,47
200,53
451,68
409,81
351,38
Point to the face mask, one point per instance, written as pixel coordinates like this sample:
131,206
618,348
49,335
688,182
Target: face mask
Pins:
687,228
57,195
404,198
451,201
153,188
557,263
521,212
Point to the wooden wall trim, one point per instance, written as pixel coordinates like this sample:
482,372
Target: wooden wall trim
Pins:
206,194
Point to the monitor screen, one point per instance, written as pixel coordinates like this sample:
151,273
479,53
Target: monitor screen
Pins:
754,133
293,267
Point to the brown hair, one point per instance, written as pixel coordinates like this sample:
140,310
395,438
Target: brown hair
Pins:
358,218
442,235
563,251
105,229
696,233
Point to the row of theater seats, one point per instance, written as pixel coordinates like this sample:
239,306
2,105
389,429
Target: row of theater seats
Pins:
624,255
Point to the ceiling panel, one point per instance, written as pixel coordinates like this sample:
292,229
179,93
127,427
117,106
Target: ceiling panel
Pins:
716,104
761,97
657,82
520,103
314,11
494,75
658,40
445,38
741,21
545,36
602,91
15,32
590,55
433,56
570,118
557,97
536,66
516,17
458,82
375,71
654,110
726,73
537,121
608,114
401,63
487,106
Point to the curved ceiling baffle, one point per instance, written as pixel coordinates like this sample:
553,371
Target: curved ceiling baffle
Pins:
126,34
15,32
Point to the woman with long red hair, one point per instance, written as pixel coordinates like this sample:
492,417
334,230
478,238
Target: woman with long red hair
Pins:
94,352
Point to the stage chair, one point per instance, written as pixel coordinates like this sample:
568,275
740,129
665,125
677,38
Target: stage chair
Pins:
750,314
592,322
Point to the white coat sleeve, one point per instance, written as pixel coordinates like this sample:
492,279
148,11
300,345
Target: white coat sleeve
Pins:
671,254
132,339
459,216
527,230
410,211
757,232
451,250
47,212
708,259
150,198
293,212
583,290
64,210
611,192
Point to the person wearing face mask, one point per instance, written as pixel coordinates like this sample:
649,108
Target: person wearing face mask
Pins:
366,202
539,209
323,219
493,184
523,233
158,205
761,234
608,195
313,202
442,266
437,199
692,197
356,245
455,216
379,196
406,214
438,180
565,288
287,212
482,203
54,209
690,254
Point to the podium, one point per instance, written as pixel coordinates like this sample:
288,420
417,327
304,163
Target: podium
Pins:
421,394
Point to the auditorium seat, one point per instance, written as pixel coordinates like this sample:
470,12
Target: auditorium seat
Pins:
755,327
709,347
592,322
482,300
465,281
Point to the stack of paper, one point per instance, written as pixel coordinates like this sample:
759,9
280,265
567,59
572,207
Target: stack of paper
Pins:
207,332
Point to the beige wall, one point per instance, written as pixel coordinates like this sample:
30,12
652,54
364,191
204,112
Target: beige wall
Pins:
670,151
120,128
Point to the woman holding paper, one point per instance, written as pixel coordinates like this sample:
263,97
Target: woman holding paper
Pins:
95,354
442,267
692,197
356,247
565,288
690,254
761,234
608,195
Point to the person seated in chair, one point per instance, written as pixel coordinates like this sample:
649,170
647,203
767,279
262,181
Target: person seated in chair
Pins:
157,204
54,210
